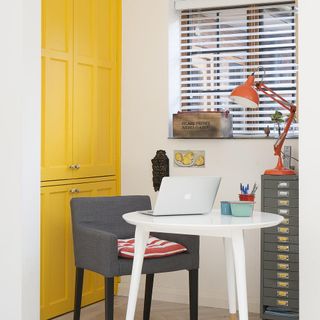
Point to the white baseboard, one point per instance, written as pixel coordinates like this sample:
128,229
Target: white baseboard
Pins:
179,296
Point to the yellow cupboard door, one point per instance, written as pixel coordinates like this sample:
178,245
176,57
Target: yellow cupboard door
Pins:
57,259
57,88
96,86
57,271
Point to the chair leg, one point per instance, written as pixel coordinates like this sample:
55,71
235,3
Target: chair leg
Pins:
78,293
109,302
193,293
148,296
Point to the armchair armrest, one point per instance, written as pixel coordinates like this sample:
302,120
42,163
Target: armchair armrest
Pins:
96,250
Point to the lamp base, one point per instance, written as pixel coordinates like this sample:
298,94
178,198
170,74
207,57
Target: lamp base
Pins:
280,170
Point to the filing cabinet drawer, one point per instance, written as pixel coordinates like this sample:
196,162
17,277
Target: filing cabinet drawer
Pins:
281,184
279,247
283,303
281,293
281,284
280,238
281,266
281,275
274,256
281,193
283,203
282,230
282,211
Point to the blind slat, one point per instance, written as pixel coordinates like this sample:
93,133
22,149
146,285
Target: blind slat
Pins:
198,31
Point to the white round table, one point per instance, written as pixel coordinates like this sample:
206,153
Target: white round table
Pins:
213,224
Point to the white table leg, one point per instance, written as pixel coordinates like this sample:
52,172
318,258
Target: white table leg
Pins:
141,238
232,297
240,267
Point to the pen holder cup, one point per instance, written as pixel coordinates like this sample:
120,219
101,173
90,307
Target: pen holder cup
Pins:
225,207
246,197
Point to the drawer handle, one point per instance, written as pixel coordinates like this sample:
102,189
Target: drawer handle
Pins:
283,266
283,257
283,275
284,211
283,230
283,248
282,294
282,239
74,190
284,203
285,221
283,284
283,184
282,193
283,303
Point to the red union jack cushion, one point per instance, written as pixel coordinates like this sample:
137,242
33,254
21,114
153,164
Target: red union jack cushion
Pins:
156,248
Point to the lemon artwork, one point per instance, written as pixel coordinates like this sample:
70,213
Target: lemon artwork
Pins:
188,159
199,161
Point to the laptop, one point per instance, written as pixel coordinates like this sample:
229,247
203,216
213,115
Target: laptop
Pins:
185,195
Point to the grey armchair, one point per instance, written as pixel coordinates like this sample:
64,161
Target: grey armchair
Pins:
97,224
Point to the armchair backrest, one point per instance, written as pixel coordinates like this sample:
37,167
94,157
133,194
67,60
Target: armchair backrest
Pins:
105,213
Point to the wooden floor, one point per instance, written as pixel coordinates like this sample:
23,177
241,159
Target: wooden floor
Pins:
160,311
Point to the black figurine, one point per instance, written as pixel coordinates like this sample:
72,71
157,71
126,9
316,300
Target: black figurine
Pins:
160,168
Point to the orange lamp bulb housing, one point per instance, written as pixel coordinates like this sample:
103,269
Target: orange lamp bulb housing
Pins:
247,96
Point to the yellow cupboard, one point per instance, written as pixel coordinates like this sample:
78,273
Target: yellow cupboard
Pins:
81,62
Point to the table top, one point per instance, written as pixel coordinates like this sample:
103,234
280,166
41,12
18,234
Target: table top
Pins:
211,221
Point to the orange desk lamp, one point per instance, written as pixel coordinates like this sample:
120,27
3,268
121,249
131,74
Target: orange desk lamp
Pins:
247,96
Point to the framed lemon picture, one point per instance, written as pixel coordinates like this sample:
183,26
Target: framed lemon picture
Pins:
189,158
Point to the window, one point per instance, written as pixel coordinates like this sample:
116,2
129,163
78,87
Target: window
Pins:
221,47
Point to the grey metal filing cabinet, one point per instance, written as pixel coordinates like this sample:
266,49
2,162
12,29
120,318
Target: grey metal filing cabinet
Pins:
280,249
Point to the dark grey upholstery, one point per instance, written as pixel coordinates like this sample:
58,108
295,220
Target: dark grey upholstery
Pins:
97,224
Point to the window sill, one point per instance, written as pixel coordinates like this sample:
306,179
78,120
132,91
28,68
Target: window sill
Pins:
237,138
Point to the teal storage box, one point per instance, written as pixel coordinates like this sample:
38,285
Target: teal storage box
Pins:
242,208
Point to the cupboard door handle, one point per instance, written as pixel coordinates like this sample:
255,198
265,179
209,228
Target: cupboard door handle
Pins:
77,166
72,166
74,190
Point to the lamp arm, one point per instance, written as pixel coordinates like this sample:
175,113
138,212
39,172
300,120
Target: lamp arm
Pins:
279,143
286,105
275,96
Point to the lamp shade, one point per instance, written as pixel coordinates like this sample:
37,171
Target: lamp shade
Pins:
246,95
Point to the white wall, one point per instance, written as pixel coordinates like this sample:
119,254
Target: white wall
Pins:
145,95
309,160
20,84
